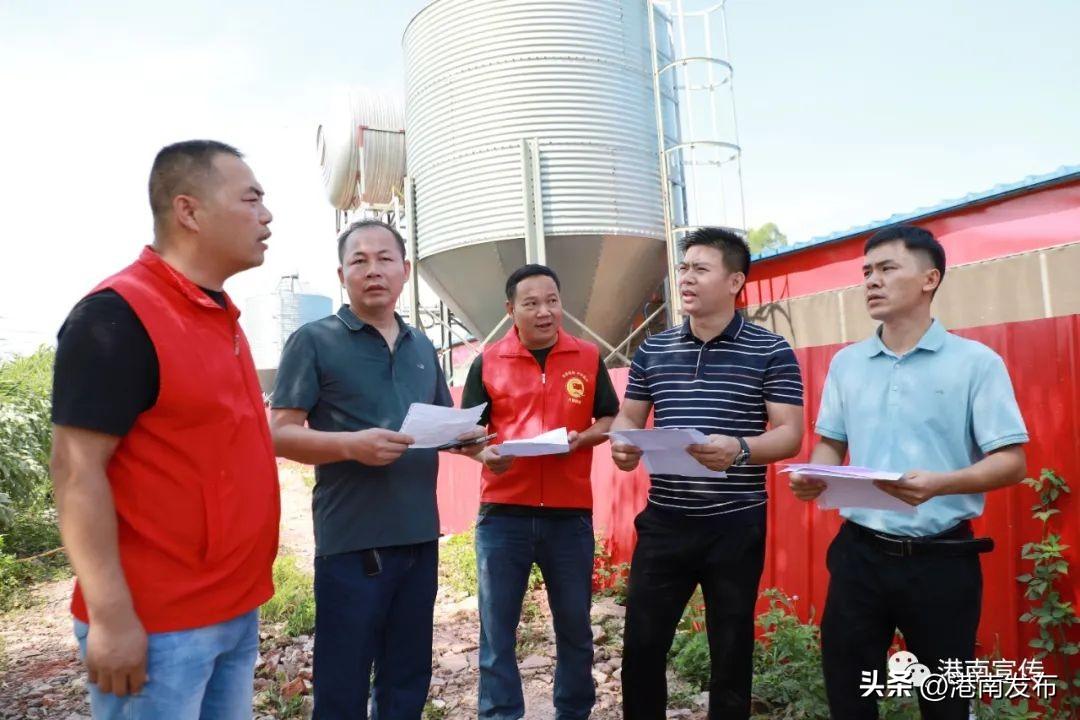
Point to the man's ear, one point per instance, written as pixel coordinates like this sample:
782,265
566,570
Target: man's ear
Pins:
738,282
184,208
510,308
341,275
933,280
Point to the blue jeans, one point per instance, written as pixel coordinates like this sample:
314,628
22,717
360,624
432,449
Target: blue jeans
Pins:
374,612
506,548
202,674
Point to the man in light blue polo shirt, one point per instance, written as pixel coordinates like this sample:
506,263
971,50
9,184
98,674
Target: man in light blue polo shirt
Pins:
915,399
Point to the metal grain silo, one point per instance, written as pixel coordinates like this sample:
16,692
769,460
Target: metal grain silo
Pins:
362,150
270,319
533,122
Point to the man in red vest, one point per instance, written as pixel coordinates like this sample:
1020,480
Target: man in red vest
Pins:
163,467
538,509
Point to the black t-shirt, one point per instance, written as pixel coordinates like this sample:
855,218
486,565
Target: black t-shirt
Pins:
605,404
106,371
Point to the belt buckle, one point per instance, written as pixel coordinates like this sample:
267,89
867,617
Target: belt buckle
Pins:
905,550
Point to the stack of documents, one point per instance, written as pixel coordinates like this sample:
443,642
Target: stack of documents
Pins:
664,450
852,486
435,425
554,442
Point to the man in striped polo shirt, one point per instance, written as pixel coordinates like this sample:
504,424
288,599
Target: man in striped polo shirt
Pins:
740,385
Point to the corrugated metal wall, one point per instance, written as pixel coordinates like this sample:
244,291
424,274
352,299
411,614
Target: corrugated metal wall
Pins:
1044,360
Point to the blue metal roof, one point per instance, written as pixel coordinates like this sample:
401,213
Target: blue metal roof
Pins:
1064,173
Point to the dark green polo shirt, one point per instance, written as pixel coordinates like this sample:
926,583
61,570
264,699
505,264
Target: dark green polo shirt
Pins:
341,372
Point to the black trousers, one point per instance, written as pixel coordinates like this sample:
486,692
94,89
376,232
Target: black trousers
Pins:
674,554
933,600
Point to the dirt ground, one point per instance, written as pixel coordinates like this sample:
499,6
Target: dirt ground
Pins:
41,677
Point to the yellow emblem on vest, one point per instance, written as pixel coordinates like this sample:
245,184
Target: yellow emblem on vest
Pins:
575,387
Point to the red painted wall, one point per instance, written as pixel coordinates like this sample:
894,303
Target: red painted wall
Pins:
1041,219
1044,360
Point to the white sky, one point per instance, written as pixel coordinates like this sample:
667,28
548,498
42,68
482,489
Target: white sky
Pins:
849,111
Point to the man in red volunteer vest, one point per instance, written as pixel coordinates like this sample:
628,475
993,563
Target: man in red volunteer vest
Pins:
536,379
163,467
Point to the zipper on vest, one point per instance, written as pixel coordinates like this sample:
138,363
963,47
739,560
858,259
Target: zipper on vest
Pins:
236,342
543,415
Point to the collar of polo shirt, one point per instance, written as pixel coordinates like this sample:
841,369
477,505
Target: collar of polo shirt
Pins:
351,321
731,332
932,340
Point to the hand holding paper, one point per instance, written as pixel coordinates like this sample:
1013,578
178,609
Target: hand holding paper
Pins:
851,486
625,455
553,442
915,487
376,446
664,450
433,425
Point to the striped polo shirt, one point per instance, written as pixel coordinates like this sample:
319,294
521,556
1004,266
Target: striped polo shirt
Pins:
717,387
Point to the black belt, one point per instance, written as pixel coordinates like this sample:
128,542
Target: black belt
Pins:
956,540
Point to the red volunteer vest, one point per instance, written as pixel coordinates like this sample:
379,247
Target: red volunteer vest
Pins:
195,480
526,402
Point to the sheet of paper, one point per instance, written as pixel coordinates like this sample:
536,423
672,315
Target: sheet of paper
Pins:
434,425
553,442
848,486
664,451
848,471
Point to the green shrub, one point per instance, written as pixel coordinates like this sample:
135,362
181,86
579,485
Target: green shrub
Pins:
294,598
14,580
689,658
25,435
789,682
457,562
788,679
27,514
33,532
610,579
1046,590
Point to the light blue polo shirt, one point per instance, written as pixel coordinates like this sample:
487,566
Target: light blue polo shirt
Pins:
941,406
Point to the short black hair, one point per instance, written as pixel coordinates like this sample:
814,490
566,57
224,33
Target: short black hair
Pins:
181,169
915,239
528,271
361,225
735,250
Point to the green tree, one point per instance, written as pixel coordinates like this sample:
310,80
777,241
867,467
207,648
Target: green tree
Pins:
764,237
25,386
28,532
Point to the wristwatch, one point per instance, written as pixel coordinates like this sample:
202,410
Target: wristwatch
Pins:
743,455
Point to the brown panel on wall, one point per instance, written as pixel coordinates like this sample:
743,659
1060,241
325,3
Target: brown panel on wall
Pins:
805,322
1063,273
1008,289
858,324
989,293
773,316
816,321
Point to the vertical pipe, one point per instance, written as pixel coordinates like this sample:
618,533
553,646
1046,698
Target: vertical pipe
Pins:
734,117
673,304
414,252
533,202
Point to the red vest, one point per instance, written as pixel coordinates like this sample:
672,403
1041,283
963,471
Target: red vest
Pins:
526,402
195,480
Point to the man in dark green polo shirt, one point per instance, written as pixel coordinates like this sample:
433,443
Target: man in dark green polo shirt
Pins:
351,378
